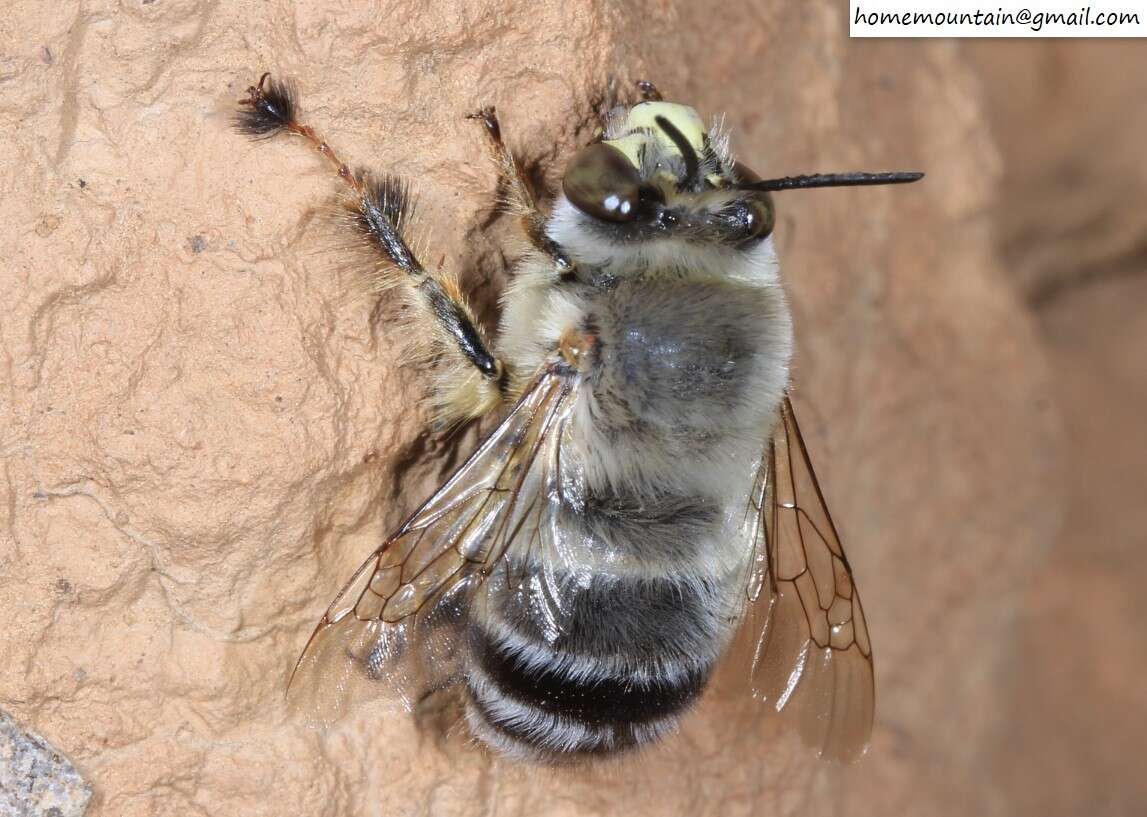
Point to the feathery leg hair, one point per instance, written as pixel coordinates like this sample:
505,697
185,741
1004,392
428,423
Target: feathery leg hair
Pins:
518,196
473,381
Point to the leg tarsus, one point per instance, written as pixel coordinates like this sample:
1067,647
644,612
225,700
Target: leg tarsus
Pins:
649,92
519,195
489,118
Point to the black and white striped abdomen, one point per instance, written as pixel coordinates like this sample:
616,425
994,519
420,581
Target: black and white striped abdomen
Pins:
601,654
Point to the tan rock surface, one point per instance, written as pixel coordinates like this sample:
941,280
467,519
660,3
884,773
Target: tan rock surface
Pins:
1071,232
1068,117
201,434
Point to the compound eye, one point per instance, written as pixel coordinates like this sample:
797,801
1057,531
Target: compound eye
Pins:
601,182
760,215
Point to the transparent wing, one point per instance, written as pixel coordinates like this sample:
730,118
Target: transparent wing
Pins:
393,632
811,659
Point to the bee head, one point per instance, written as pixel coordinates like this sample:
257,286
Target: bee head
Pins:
656,172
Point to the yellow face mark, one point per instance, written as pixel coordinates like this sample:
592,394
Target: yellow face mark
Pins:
641,125
630,145
644,115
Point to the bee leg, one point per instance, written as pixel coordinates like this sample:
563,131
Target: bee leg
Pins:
649,92
472,381
519,196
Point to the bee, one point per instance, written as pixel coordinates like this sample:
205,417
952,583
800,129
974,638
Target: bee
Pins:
647,499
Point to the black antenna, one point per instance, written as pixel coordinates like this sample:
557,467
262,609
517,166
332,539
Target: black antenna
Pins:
692,163
831,180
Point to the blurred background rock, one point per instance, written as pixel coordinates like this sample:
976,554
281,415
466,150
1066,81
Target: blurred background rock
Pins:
1070,119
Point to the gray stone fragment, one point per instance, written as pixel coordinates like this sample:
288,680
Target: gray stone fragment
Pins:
35,779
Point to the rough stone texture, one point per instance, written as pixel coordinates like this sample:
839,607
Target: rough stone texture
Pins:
201,433
35,779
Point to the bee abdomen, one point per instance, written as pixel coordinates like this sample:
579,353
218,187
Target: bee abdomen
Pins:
527,701
612,679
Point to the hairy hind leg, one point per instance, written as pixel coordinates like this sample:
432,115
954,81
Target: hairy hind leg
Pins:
471,380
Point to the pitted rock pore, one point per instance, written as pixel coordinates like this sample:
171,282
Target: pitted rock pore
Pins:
35,779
